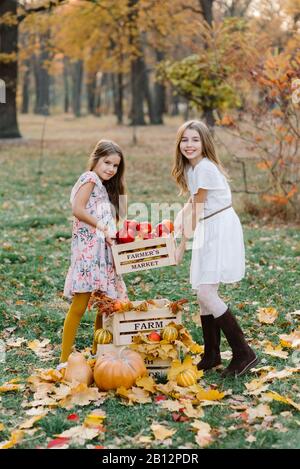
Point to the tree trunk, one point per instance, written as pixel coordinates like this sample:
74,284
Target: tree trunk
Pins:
206,7
137,91
9,72
91,93
174,103
66,71
25,88
42,78
159,95
148,95
77,74
117,81
209,117
98,102
207,11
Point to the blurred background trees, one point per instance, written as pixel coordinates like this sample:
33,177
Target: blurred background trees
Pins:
233,63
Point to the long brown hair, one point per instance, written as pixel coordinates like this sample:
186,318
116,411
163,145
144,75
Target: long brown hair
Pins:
116,185
208,151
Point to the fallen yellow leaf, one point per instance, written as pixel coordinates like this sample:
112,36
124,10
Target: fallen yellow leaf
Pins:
257,383
261,411
161,432
146,383
210,395
79,434
203,437
94,419
277,397
134,394
37,344
15,342
81,395
172,406
190,411
30,422
291,340
267,315
274,351
7,387
15,437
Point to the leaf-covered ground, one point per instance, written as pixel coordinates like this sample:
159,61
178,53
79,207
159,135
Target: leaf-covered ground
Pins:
34,255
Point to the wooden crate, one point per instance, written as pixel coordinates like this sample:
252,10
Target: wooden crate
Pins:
155,367
126,325
158,367
144,254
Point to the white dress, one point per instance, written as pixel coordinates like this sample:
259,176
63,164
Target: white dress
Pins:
218,253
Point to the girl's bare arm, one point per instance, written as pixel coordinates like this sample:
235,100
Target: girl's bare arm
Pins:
79,206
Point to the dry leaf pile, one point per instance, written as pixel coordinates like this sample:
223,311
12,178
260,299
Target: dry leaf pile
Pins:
45,391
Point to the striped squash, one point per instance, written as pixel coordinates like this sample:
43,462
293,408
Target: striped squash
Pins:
103,336
170,333
186,377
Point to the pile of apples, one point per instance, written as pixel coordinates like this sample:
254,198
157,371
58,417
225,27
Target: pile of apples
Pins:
133,231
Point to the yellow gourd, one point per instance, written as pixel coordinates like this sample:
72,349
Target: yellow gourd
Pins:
103,336
78,369
170,333
118,368
186,377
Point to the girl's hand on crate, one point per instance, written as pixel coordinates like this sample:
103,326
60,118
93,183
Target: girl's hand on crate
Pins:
109,240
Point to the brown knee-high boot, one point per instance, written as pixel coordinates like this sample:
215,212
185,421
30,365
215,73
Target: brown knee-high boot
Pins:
243,357
211,337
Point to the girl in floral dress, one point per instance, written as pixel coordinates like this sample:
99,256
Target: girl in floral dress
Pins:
95,201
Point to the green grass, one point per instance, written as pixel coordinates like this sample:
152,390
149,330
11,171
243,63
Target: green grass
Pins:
34,257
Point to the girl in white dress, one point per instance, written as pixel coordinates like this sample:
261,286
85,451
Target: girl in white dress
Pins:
218,254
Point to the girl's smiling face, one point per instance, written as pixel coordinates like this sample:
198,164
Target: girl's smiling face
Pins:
191,146
107,167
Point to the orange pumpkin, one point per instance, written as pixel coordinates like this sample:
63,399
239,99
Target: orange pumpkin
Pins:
118,368
78,369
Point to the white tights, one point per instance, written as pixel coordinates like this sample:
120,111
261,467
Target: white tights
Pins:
209,300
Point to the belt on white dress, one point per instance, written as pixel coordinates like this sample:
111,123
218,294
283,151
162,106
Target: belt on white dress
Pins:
215,213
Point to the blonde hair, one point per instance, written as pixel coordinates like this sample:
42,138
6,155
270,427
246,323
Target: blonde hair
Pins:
116,185
208,151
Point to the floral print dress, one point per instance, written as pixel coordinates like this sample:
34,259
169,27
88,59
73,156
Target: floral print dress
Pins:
92,266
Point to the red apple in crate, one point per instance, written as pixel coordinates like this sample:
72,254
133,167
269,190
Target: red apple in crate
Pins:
161,231
125,236
149,236
164,229
130,224
154,336
168,226
144,227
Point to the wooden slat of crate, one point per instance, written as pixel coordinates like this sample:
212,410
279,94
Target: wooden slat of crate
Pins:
139,256
158,367
127,325
144,254
102,349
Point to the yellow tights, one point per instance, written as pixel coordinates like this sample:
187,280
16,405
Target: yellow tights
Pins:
73,318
